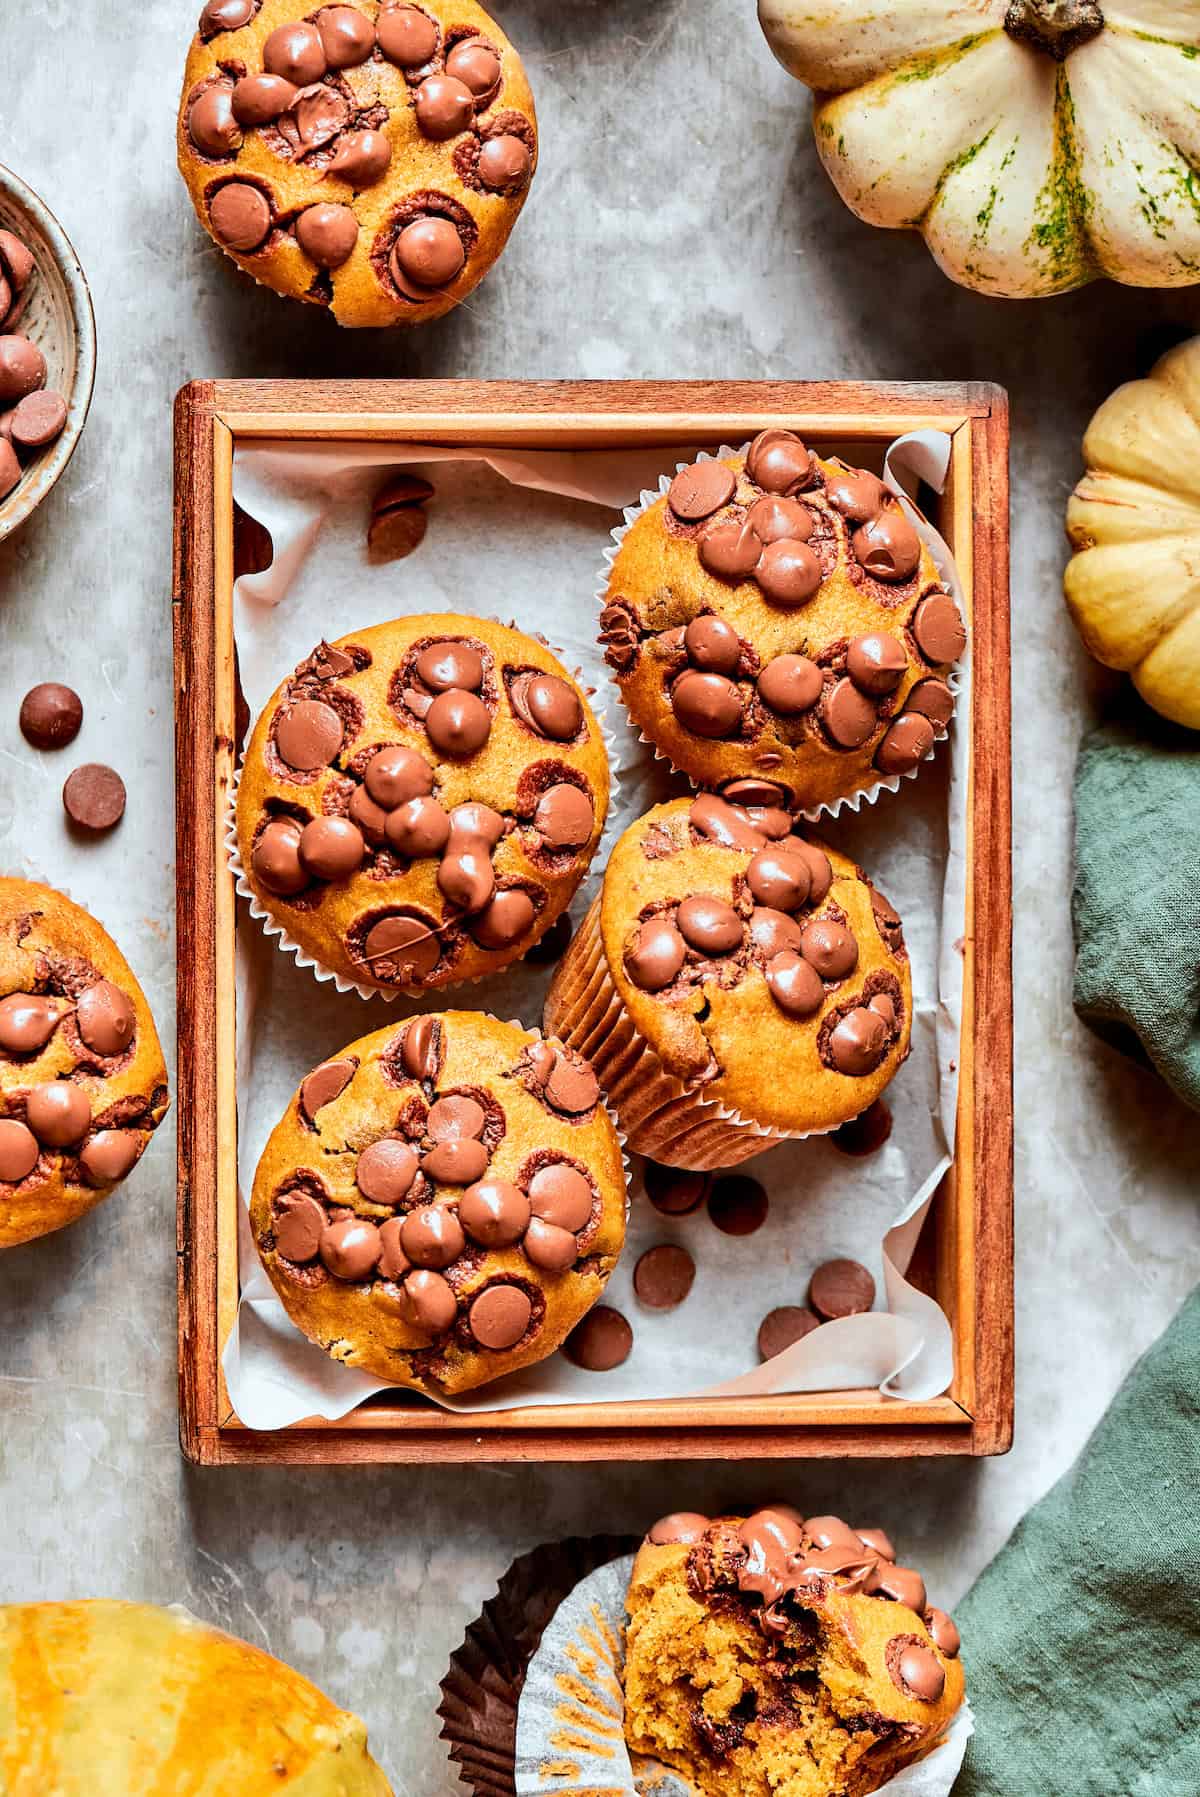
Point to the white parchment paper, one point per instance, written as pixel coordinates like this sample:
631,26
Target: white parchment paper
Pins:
520,536
570,1718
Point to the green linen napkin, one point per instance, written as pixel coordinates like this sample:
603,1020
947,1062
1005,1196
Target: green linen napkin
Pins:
1137,892
1082,1638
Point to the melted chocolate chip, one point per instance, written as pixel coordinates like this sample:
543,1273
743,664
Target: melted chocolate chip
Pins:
325,1084
700,490
778,462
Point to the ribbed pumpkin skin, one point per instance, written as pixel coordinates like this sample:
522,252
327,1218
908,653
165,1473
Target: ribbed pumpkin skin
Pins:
123,1700
1133,586
1027,172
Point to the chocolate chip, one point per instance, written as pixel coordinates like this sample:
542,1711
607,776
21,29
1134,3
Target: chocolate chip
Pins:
361,158
933,700
778,462
571,1086
819,868
323,1085
385,1170
407,36
395,775
858,1042
428,1302
944,1631
298,1223
731,550
841,1288
51,715
938,629
27,1022
706,704
240,216
848,714
18,1151
347,37
738,1205
548,705
444,107
212,126
225,15
699,491
332,847
406,945
105,1018
504,163
499,1316
879,1543
773,932
94,797
10,467
664,1276
709,925
876,663
789,573
110,1155
549,1247
260,99
495,1212
421,1049
830,948
794,984
673,1191
715,820
602,1341
712,645
887,545
905,745
505,919
351,1248
308,735
866,1133
564,817
781,1328
455,1161
38,419
295,52
790,684
774,519
474,64
328,234
856,494
432,1236
22,368
418,828
275,858
16,260
458,723
779,877
457,1117
916,1670
560,1194
58,1113
683,1528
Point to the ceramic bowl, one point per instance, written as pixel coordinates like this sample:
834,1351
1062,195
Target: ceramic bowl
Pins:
59,319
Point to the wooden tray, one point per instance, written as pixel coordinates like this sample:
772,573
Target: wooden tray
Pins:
965,1256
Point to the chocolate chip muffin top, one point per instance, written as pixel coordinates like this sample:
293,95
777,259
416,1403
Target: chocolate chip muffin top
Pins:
419,801
82,1080
371,158
443,1201
776,614
762,967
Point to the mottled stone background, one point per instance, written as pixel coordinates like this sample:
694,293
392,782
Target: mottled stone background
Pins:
680,227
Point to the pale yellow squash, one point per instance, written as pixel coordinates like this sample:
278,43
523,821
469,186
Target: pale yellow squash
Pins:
1036,144
1133,585
123,1700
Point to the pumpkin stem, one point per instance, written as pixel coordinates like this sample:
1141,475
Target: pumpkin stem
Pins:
1055,26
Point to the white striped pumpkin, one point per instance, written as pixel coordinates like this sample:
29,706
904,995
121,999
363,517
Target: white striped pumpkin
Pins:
1133,585
1036,144
103,1698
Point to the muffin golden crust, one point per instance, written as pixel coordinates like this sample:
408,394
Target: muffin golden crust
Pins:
442,1202
420,800
730,960
82,1080
371,158
778,1656
777,615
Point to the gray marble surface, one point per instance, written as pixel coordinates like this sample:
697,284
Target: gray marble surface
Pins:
680,227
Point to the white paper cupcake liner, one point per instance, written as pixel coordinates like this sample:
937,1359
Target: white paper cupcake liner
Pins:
933,542
274,927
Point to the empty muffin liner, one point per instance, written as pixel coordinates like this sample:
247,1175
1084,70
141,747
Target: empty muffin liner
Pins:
272,925
532,1701
920,455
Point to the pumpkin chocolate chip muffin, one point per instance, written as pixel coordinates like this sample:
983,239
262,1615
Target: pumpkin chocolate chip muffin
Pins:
735,983
371,158
778,1656
443,1202
82,1080
419,801
777,615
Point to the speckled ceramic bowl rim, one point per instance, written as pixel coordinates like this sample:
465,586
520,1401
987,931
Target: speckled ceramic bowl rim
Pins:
45,474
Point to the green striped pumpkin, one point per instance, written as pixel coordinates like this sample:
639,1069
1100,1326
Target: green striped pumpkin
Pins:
122,1700
1036,144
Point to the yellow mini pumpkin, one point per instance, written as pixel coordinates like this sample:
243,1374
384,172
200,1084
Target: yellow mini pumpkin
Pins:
123,1700
1133,586
1036,144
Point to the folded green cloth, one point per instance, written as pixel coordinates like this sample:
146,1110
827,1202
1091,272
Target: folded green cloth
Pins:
1082,1638
1137,892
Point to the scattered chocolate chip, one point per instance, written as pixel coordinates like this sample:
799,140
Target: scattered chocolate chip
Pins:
683,1528
94,797
866,1133
887,545
938,629
495,1212
395,775
841,1288
385,1170
444,107
709,925
773,932
549,1247
790,684
475,64
602,1341
731,550
944,1632
58,1113
105,1018
361,158
830,947
548,705
778,462
933,700
308,735
505,919
560,1194
571,1086
240,216
774,519
794,984
673,1191
905,744
504,163
432,1236
855,493
664,1276
407,36
858,1042
351,1248
455,1161
260,99
738,1204
10,467
916,1670
110,1155
225,15
332,847
323,1085
212,126
700,490
782,1328
879,1543
712,645
295,52
779,877
421,1049
876,663
407,945
298,1224
499,1316
18,1151
328,234
706,704
51,715
848,714
458,723
38,419
428,1302
27,1022
789,573
564,817
347,36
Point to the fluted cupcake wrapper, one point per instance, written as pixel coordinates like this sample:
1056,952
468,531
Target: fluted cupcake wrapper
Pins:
865,795
273,926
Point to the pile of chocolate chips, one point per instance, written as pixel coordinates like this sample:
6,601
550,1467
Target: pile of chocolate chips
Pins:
32,416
